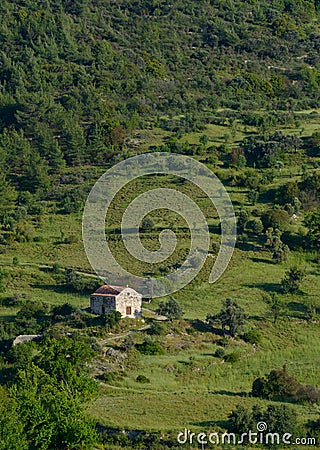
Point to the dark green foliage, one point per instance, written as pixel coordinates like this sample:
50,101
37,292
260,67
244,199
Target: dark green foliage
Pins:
2,281
81,283
128,343
44,404
21,355
12,436
157,329
231,316
171,309
253,196
276,305
255,226
220,352
149,347
112,318
270,150
291,282
310,190
51,416
33,309
231,358
8,194
274,244
275,218
113,377
242,219
241,420
147,224
312,221
142,379
280,419
278,384
252,337
287,193
314,429
63,310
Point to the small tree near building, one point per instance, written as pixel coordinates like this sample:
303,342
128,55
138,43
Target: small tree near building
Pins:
170,309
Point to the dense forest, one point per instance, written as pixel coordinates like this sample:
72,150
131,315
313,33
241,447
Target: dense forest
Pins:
88,83
78,77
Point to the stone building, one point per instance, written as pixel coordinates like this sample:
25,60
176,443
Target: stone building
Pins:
116,298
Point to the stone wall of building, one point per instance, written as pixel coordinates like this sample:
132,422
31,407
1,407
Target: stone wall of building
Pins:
129,298
100,304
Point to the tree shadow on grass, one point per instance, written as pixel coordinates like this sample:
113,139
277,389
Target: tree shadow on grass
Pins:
224,424
231,393
59,289
247,247
257,318
267,287
200,326
297,310
262,260
298,307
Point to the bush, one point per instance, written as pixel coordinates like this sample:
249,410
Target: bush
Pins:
55,268
170,309
255,226
128,343
147,224
112,318
219,353
64,310
110,377
231,358
15,261
252,337
291,282
277,384
275,218
142,379
148,347
156,329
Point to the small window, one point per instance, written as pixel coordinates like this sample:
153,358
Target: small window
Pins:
128,310
103,309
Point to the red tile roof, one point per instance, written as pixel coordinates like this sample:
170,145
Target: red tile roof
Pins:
109,290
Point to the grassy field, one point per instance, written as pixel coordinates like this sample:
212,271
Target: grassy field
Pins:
188,386
191,388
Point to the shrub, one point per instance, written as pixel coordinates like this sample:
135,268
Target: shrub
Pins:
110,377
64,310
128,343
275,218
156,329
219,353
55,268
112,318
142,379
15,261
278,383
255,225
252,337
147,224
231,358
308,393
291,282
170,309
149,347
